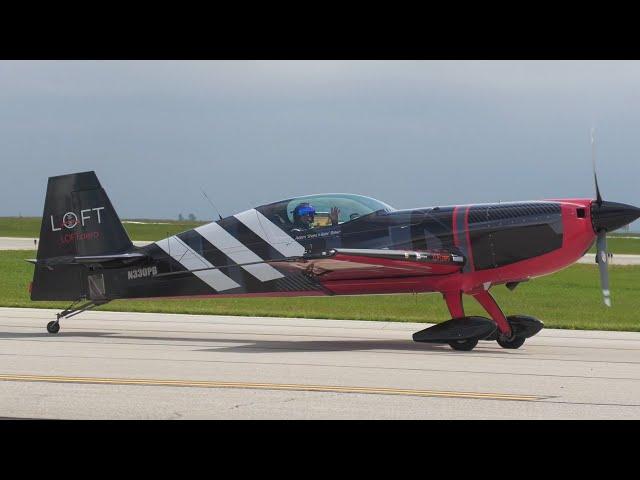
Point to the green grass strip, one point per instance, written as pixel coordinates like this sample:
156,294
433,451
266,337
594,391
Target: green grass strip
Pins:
567,299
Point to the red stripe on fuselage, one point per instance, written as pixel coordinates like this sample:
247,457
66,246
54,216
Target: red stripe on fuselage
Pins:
468,238
454,226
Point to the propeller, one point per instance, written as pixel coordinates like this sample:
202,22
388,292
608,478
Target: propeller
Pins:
603,265
593,161
606,217
602,258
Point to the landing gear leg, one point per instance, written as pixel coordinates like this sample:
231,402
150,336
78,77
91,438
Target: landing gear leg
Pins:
460,332
485,299
505,336
456,309
454,303
70,311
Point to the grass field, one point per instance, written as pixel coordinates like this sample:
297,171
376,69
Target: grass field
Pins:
158,229
568,299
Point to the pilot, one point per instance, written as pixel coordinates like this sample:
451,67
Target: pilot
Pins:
303,216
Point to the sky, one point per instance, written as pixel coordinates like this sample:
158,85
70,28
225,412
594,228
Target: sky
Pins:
410,133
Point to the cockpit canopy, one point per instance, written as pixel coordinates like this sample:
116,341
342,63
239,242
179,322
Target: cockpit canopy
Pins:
350,207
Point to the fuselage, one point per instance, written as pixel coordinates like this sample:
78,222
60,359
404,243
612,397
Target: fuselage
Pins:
501,243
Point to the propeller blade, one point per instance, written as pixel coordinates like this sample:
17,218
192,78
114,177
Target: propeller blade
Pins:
603,262
593,161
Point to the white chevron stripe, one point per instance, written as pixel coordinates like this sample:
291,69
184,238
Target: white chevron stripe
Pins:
270,233
189,259
236,251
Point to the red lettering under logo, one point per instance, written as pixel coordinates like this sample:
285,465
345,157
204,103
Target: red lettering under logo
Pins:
72,237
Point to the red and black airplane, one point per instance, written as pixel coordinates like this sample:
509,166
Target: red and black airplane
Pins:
333,244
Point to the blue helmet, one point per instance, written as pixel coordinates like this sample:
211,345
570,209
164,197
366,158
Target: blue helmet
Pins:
304,209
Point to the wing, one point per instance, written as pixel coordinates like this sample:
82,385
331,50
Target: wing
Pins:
356,263
352,263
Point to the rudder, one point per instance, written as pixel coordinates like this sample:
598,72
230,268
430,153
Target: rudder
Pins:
78,220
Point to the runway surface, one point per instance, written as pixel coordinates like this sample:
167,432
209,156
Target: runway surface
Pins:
616,259
117,365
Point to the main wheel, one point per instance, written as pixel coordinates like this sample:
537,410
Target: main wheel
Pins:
512,342
463,345
53,327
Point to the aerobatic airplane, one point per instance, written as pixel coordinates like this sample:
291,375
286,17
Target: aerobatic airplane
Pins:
332,244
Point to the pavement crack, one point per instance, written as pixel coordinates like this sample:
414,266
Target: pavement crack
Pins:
237,406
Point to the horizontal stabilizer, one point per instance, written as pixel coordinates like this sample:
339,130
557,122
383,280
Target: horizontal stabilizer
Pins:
121,257
90,259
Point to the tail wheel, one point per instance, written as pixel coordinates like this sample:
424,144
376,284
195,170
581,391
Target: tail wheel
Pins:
463,345
53,327
512,342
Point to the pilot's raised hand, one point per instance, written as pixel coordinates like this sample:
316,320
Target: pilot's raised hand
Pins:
335,211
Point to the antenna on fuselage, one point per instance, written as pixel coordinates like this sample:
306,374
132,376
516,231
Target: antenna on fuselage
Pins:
210,202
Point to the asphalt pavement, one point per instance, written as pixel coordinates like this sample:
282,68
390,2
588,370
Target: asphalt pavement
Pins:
118,365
